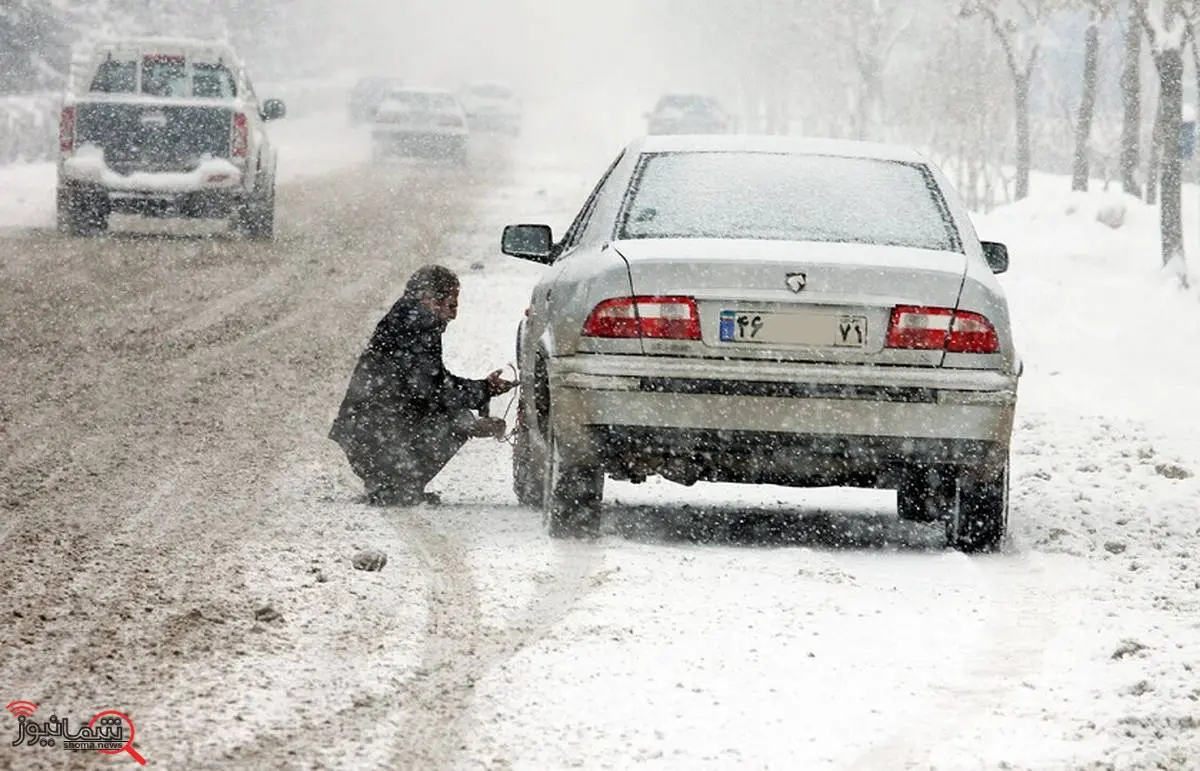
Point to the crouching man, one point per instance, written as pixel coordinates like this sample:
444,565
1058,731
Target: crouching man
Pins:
404,416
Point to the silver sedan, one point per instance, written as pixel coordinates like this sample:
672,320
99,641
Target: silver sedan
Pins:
768,310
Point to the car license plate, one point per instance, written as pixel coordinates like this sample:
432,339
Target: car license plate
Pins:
810,329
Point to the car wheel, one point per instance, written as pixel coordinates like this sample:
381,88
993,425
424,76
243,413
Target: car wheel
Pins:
979,522
926,494
527,480
571,495
256,217
81,213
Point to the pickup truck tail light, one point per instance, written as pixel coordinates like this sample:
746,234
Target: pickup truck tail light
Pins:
941,329
239,143
66,130
663,318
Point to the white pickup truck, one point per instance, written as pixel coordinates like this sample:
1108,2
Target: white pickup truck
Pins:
165,128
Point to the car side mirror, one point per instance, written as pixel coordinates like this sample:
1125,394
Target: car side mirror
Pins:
273,109
996,255
528,242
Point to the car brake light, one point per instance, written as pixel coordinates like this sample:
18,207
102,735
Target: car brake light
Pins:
669,318
240,142
941,329
66,130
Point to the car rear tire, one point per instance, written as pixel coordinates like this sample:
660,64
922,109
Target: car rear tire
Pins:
979,522
81,213
571,495
926,494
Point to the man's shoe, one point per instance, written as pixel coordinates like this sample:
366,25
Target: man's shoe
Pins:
387,496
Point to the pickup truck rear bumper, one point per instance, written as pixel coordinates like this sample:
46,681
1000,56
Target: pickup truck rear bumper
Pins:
86,168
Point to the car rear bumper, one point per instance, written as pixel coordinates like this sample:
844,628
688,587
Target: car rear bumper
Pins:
485,121
881,415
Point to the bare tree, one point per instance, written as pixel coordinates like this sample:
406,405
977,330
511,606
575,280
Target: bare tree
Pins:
1166,23
870,30
1097,11
1019,26
1131,101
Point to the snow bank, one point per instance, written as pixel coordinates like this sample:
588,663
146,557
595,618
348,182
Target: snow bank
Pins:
28,127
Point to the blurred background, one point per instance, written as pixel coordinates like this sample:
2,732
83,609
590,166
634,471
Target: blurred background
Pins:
971,82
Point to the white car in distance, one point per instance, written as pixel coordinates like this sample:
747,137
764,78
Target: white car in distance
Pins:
492,107
427,122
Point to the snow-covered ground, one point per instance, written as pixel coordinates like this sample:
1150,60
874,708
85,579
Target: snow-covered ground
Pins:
820,632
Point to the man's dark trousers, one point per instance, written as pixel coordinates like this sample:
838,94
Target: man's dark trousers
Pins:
396,466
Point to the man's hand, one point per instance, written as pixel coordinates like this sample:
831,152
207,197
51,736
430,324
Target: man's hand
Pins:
488,427
497,385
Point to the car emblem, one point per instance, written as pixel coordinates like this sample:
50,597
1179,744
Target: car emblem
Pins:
797,281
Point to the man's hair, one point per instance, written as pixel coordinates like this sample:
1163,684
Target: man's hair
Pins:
436,281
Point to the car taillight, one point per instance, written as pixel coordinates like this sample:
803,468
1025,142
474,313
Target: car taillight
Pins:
941,329
240,141
66,130
670,318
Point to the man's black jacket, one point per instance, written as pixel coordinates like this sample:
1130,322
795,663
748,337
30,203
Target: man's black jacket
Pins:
400,380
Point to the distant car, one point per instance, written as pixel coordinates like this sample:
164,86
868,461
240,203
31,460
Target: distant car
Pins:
421,121
165,127
492,107
768,310
688,114
366,96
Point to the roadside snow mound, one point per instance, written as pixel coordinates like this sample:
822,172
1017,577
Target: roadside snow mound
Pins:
28,125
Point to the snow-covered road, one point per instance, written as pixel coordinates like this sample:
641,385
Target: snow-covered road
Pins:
713,627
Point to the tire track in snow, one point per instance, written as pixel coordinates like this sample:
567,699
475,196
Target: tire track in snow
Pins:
1027,611
459,649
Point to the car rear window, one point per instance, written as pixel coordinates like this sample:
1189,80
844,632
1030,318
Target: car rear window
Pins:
424,102
165,76
786,196
115,77
687,103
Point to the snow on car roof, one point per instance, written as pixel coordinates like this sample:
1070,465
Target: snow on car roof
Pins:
195,47
420,90
749,143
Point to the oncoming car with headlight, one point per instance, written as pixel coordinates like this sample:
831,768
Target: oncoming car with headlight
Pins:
768,310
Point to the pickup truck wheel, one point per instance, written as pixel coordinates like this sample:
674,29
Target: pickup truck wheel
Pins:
81,213
980,520
571,495
256,217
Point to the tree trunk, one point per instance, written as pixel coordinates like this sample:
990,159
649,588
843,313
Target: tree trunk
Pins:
1087,104
1131,99
1024,157
1170,80
1153,164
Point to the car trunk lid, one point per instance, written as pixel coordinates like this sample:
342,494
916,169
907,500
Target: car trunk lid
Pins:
794,301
